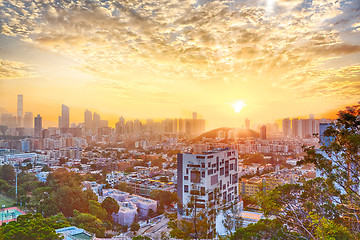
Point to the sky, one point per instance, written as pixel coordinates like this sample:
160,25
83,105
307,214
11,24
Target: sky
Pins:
168,58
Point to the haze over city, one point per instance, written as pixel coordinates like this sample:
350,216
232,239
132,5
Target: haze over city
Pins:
166,59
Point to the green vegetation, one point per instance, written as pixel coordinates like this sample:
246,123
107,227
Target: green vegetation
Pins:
321,208
4,200
33,227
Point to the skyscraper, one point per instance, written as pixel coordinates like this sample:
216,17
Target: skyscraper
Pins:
87,120
286,126
38,126
295,127
95,122
247,123
263,132
19,110
65,116
28,120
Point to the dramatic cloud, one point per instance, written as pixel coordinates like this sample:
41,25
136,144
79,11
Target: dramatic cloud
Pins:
202,41
10,70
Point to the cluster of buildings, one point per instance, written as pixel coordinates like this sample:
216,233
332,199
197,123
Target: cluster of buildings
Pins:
94,128
131,206
269,181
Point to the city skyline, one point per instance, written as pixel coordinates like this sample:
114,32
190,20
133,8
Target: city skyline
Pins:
167,59
64,119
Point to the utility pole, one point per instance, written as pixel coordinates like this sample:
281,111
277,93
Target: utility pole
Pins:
16,183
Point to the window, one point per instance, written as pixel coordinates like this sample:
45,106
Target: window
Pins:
221,171
187,171
209,164
203,165
203,174
202,191
186,177
186,188
234,178
195,177
231,167
214,179
210,171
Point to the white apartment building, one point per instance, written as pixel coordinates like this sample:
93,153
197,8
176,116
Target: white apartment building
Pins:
211,178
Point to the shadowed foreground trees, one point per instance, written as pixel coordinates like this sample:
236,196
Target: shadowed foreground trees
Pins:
33,227
321,208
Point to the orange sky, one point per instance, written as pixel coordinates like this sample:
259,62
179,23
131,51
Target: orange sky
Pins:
159,59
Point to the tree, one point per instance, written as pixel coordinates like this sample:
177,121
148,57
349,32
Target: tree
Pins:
141,238
264,229
31,227
321,208
7,173
46,168
89,223
97,210
165,198
134,227
67,199
338,161
110,205
232,218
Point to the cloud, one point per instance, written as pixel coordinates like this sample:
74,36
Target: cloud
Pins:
12,70
203,41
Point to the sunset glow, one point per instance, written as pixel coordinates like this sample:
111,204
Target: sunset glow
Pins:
159,59
238,106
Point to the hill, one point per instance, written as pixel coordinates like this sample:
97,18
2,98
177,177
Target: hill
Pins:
240,133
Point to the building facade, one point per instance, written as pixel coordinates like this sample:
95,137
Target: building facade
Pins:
210,180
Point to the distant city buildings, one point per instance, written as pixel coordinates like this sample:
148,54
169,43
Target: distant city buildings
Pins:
64,121
38,126
20,110
263,132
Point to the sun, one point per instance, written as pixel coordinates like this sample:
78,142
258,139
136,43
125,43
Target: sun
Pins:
238,106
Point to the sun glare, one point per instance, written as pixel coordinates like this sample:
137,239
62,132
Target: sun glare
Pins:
238,106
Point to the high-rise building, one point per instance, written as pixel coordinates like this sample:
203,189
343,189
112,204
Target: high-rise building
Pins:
95,122
64,120
286,126
38,126
210,180
263,132
19,110
87,120
295,127
28,120
247,123
7,119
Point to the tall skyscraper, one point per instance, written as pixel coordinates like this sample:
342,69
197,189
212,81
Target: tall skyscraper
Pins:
65,117
263,132
87,120
210,179
247,123
28,120
295,127
286,126
19,110
95,122
38,126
